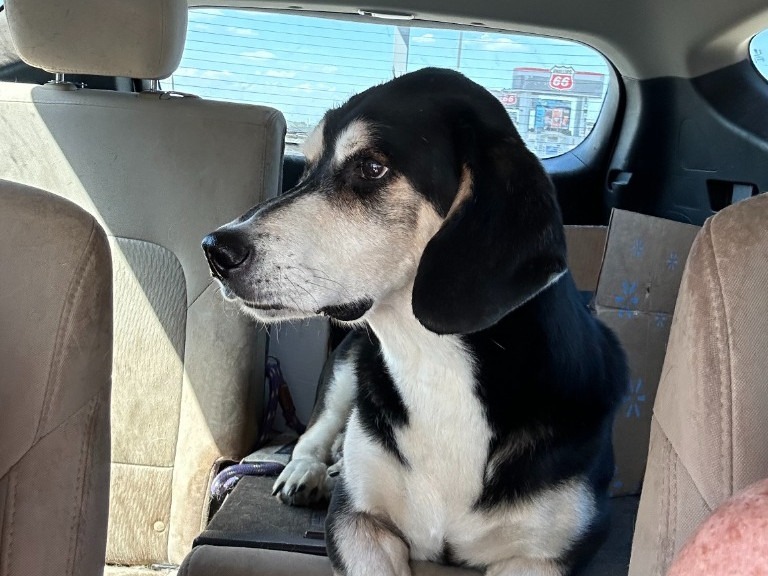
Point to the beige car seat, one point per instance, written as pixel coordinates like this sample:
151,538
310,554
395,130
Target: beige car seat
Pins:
709,435
159,172
55,359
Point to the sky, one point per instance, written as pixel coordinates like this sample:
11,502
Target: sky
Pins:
304,65
758,51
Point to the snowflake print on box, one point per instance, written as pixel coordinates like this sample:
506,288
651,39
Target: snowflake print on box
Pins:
673,261
638,248
634,399
628,300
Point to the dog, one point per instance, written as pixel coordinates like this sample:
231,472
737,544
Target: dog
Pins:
476,393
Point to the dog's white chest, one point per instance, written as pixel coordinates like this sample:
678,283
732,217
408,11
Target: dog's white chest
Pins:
445,444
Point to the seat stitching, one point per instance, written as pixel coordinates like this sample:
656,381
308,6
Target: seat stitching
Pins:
726,400
203,291
163,33
671,454
72,295
76,508
661,546
2,526
12,517
673,508
87,477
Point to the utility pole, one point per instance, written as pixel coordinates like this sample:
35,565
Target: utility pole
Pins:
401,48
458,53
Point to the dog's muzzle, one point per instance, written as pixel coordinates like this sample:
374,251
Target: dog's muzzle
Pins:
226,251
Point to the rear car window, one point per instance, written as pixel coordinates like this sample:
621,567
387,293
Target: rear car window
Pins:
758,52
553,89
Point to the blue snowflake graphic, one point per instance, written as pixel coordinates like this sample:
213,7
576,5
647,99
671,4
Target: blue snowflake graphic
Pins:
672,261
634,398
661,320
638,248
628,300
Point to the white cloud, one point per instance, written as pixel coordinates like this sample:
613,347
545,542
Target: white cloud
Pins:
199,26
280,73
198,73
258,55
313,88
496,43
237,31
329,69
424,39
216,74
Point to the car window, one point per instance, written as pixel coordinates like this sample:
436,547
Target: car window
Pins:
758,52
553,89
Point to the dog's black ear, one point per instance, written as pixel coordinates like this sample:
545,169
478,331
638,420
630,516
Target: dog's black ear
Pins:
500,245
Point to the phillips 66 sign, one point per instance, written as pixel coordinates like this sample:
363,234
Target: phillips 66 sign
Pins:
561,78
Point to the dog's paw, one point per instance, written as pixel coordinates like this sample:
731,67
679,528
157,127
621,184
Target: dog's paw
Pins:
304,481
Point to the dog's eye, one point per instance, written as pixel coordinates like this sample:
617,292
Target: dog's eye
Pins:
370,169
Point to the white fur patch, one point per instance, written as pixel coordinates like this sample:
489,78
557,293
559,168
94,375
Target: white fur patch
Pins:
354,137
314,450
368,549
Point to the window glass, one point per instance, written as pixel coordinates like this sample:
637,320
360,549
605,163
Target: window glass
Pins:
758,52
553,89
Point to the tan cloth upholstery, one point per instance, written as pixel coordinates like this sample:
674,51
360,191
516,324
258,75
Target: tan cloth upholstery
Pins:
55,354
136,38
215,560
159,174
710,431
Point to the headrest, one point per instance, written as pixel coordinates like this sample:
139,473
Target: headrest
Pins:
134,38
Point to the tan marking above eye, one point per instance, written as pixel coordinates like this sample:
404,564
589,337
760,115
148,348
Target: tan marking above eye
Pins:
355,137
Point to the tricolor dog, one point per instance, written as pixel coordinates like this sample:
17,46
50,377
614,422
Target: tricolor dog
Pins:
476,395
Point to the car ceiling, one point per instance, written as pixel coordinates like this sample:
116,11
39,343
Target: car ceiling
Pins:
643,38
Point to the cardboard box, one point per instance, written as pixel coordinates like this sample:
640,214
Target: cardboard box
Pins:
586,245
636,294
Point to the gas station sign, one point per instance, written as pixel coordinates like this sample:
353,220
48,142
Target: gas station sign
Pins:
561,78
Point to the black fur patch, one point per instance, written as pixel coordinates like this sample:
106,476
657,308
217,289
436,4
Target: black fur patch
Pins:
380,407
550,377
347,312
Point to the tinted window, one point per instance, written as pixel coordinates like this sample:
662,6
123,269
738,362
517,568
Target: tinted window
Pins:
553,89
758,51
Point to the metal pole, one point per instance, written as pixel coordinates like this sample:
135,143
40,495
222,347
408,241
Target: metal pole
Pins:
458,54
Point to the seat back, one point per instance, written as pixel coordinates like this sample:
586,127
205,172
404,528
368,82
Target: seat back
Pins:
709,430
56,355
159,172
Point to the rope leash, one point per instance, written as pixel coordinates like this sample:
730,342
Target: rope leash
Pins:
279,395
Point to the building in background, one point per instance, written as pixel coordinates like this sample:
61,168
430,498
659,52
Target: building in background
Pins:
555,108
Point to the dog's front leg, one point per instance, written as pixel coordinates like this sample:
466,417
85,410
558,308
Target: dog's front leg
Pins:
363,544
307,479
525,567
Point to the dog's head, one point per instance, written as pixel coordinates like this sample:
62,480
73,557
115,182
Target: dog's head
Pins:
421,181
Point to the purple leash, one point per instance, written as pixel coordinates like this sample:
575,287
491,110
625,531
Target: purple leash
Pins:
279,393
226,479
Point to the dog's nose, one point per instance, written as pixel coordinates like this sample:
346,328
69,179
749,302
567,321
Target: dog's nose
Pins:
225,251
